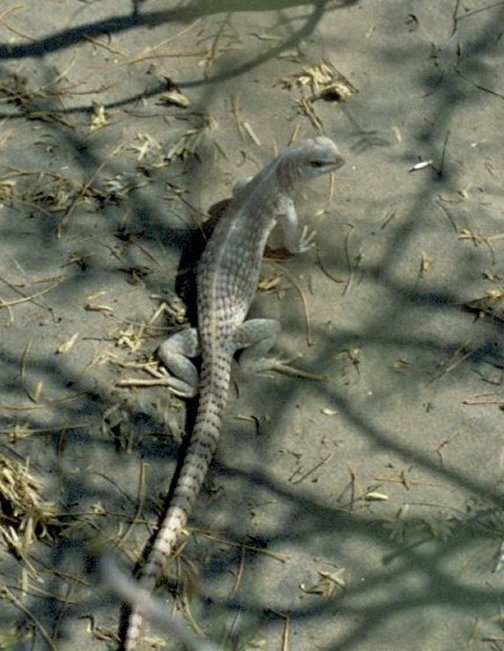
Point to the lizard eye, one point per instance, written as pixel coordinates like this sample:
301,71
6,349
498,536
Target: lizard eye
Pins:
316,163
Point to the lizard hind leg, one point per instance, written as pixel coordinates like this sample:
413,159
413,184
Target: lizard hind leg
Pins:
175,353
255,338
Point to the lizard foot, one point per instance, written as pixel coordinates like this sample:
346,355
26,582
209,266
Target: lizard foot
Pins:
284,366
180,373
306,240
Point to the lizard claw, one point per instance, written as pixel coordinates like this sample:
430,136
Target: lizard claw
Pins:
306,240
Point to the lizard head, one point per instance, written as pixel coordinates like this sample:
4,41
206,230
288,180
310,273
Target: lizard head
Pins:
313,157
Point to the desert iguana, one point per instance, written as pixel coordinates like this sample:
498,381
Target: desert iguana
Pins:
226,281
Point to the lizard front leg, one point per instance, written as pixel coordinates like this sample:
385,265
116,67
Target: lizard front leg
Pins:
175,353
288,222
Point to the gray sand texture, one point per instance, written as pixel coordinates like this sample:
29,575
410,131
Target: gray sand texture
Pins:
354,506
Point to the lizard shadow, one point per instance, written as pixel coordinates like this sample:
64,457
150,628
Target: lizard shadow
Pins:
185,282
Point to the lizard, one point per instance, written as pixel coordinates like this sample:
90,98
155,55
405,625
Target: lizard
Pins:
226,281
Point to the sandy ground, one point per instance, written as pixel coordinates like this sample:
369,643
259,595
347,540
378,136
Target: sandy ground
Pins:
360,511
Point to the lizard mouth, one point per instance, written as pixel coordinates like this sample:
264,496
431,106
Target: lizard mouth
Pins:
328,165
335,164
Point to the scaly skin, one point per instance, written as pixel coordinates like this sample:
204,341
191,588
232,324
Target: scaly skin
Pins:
226,283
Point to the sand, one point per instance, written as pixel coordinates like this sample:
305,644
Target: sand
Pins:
360,510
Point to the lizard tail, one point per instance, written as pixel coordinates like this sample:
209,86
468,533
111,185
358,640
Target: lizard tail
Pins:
214,385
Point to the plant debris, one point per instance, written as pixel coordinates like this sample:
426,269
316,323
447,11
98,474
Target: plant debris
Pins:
490,304
319,82
24,516
173,95
329,585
